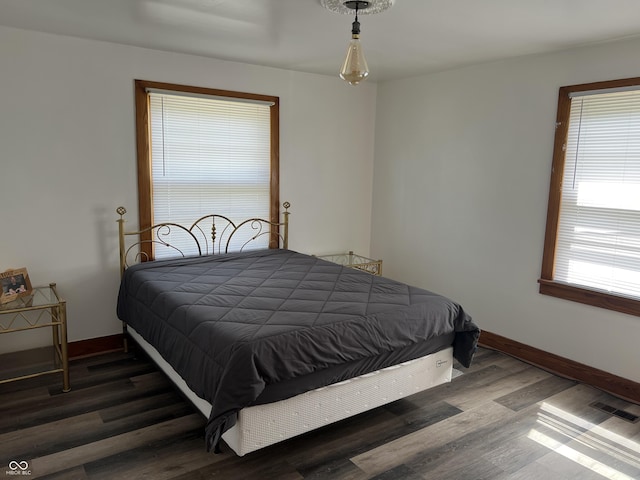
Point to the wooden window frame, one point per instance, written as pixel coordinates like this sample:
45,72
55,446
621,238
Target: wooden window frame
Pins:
143,141
547,284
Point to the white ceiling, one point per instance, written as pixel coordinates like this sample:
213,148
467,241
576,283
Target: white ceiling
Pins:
413,37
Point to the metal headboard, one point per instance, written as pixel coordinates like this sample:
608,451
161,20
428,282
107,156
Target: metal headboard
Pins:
208,235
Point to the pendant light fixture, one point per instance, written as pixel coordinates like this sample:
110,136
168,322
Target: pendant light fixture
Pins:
354,68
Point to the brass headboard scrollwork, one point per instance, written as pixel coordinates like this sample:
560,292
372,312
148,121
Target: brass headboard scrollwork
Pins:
209,235
259,227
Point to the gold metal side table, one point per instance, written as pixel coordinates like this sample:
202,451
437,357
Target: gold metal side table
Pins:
351,260
43,308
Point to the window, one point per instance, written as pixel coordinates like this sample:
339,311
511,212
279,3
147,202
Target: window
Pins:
592,242
203,151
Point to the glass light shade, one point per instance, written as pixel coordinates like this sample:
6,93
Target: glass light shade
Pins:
355,68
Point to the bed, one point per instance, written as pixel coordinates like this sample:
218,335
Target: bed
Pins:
270,343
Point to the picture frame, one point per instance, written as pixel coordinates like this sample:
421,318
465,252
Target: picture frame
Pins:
15,283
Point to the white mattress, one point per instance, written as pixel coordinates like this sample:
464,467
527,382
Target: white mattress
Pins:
263,425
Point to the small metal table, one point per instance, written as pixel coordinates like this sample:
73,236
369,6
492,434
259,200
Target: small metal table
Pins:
351,260
43,308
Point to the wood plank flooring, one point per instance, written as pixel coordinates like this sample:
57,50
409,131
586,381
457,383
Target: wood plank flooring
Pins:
501,419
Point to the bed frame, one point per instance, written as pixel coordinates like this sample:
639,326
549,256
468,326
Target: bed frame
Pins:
263,425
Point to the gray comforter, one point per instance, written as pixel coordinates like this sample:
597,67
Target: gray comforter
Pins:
232,324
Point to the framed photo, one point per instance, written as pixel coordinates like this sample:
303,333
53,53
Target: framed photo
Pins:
15,283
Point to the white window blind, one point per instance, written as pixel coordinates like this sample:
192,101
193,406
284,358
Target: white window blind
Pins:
209,155
598,242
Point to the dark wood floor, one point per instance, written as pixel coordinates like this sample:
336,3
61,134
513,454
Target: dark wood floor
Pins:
501,419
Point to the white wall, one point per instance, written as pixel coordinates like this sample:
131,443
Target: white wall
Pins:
67,160
461,178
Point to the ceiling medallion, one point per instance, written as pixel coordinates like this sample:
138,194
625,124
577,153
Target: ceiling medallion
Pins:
343,7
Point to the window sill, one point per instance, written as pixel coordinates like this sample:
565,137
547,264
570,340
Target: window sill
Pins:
590,297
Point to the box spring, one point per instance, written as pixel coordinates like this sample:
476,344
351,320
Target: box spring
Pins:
263,425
